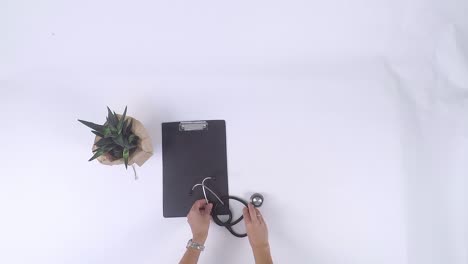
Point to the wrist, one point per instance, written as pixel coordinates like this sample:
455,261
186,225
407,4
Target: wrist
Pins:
261,247
200,239
262,254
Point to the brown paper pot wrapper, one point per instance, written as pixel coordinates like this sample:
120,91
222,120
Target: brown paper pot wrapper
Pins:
141,154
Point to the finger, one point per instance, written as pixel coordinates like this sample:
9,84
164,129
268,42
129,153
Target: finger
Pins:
246,214
259,216
198,204
253,213
208,208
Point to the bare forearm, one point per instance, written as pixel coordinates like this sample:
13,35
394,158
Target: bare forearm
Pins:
190,257
262,255
199,220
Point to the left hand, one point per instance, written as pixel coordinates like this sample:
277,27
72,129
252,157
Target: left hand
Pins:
199,219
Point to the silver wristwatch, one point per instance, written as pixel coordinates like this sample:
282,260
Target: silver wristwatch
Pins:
195,245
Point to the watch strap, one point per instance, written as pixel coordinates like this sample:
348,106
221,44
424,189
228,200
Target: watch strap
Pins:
195,245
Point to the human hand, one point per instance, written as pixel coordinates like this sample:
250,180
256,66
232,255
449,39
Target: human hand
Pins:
199,220
257,230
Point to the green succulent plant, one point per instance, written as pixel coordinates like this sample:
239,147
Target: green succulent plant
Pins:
116,137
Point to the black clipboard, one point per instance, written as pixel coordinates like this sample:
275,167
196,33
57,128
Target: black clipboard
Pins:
192,151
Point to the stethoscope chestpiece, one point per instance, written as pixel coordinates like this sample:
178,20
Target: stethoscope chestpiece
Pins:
256,199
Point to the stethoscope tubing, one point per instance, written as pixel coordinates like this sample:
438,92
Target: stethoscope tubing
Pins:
228,224
221,202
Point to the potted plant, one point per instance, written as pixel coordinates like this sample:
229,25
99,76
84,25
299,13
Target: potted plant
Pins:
121,140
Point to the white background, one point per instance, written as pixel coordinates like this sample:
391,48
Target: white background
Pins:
349,116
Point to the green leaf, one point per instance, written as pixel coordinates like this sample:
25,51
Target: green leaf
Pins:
122,119
131,138
110,125
125,155
109,147
97,133
104,141
109,114
129,128
111,119
124,128
107,132
101,151
116,118
117,152
93,126
119,140
98,153
132,146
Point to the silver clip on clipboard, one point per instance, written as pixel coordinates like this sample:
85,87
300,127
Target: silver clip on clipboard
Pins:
193,125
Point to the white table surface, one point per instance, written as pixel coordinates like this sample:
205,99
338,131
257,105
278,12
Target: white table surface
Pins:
327,115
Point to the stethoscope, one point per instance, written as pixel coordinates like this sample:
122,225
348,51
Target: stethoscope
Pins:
256,199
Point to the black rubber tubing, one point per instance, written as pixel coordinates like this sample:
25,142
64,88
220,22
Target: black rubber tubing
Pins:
229,223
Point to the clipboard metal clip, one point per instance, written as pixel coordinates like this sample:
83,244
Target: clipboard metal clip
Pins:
193,125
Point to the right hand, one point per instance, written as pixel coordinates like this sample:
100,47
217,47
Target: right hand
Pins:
199,220
257,230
